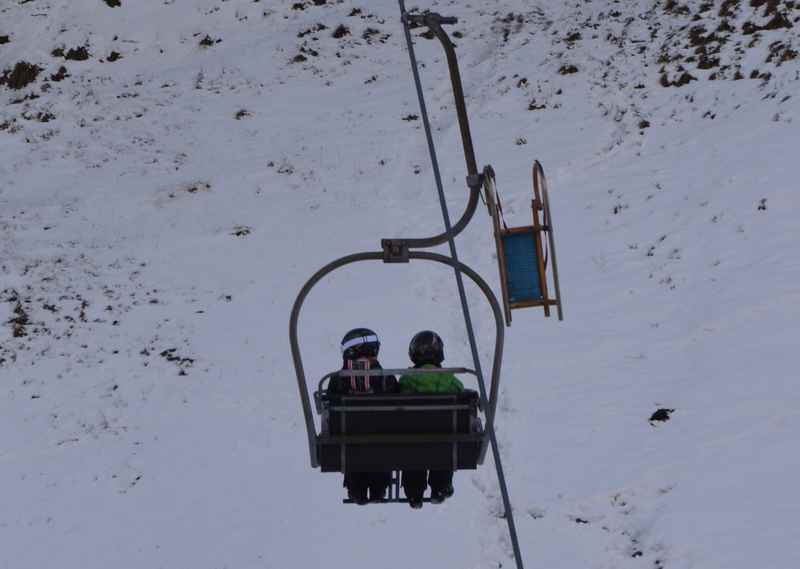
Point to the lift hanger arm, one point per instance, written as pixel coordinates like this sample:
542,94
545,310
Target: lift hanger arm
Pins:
396,249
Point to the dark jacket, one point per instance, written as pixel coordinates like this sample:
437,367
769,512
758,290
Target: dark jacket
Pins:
430,382
346,385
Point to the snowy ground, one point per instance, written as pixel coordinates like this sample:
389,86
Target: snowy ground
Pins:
161,207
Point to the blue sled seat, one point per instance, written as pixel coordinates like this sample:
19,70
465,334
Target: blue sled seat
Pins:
522,266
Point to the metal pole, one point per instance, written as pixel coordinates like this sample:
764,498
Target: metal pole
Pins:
459,281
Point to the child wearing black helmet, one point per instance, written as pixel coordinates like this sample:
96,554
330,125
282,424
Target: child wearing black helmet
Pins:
426,350
360,347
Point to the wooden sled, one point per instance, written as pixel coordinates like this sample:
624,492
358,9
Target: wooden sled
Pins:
523,255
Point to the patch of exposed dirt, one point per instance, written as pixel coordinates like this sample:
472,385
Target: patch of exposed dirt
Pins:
80,53
20,76
59,75
208,41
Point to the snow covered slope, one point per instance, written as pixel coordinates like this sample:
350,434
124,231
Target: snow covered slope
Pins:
171,173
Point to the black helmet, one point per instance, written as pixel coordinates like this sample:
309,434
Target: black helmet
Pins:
426,347
360,343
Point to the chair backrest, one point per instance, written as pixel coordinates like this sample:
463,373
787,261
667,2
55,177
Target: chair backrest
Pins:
402,431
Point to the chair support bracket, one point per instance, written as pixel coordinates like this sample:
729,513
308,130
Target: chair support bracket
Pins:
395,250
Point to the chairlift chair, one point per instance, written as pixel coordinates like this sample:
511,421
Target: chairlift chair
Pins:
394,432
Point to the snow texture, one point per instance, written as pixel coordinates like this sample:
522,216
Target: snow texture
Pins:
173,171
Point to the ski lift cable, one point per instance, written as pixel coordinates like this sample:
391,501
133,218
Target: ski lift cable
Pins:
473,178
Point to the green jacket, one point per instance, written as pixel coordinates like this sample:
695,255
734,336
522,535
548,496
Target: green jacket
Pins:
430,382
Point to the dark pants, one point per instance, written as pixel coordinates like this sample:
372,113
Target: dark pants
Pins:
415,481
358,483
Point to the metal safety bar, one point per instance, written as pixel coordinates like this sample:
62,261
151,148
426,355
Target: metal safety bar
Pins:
398,371
386,408
318,395
385,372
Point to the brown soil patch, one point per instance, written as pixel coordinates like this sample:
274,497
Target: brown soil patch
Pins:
60,75
77,54
21,75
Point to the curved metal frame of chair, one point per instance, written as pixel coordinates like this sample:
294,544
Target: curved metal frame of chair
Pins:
489,404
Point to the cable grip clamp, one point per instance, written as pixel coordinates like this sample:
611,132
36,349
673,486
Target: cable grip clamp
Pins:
395,250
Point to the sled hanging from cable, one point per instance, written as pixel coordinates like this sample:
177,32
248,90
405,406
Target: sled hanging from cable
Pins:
523,254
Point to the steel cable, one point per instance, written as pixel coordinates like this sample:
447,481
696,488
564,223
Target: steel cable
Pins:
509,515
